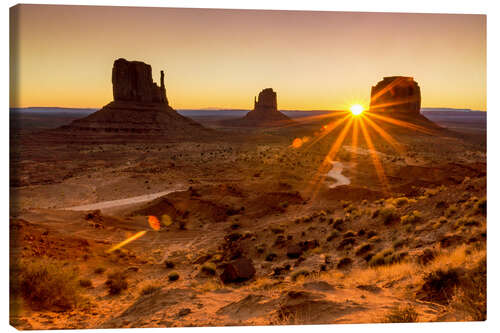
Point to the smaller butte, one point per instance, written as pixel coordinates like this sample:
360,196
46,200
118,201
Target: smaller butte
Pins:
265,112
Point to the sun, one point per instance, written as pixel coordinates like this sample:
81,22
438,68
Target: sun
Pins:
356,109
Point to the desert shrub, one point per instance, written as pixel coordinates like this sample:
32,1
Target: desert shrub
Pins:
338,223
361,232
209,268
441,204
427,256
271,256
450,211
377,260
371,234
400,202
405,314
399,243
432,191
182,225
99,270
46,283
442,220
480,207
344,263
345,203
470,297
349,234
396,257
334,234
299,273
375,213
116,282
467,222
85,283
439,285
362,249
387,257
150,289
411,218
173,276
169,264
389,214
346,242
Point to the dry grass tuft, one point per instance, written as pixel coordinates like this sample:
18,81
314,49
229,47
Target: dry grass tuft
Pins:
47,284
402,314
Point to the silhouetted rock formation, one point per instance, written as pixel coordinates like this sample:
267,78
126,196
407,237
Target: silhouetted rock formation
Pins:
267,101
396,94
132,81
265,112
140,106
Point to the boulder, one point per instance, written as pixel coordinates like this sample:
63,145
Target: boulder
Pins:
294,251
237,271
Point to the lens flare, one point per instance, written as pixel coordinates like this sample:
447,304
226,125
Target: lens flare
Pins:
356,109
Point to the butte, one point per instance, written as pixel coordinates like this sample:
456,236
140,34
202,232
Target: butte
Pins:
140,108
399,97
265,112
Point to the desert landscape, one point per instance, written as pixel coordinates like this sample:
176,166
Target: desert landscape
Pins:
140,216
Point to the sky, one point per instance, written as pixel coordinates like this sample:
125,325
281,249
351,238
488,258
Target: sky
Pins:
63,55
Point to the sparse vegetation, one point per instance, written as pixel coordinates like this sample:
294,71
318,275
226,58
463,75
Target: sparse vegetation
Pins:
47,284
299,273
389,214
402,314
209,268
173,276
85,283
150,289
400,202
413,217
116,283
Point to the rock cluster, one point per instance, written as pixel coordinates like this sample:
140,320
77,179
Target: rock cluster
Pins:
396,94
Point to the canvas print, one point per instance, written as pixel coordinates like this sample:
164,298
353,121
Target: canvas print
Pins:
212,167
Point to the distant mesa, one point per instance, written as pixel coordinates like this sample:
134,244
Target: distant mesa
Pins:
265,112
396,94
139,106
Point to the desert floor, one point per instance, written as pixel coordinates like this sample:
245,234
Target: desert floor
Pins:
402,237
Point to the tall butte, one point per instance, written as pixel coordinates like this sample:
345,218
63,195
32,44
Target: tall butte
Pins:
396,94
265,112
399,97
139,106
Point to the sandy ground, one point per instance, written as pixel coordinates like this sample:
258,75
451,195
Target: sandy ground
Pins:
250,194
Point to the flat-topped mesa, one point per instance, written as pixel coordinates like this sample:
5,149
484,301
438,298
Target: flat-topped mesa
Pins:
396,94
133,82
267,101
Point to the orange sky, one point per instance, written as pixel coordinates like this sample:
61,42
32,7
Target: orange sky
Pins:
63,55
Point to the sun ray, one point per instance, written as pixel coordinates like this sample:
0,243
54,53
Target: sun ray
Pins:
128,240
397,146
401,123
376,162
328,129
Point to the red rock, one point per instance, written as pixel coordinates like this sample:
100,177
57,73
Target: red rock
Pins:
396,94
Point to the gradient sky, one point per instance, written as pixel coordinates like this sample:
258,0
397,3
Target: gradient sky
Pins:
63,55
